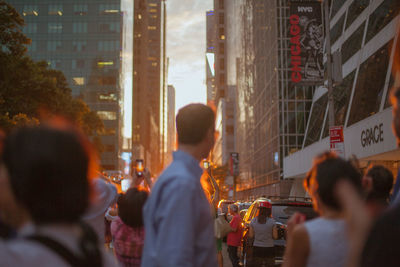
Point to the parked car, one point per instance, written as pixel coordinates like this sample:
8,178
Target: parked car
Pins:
282,209
243,205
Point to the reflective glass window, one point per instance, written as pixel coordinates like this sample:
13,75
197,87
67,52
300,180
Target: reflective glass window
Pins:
79,46
316,120
337,29
381,17
55,10
54,27
54,45
30,10
341,94
107,115
30,27
80,9
32,47
355,9
337,4
79,27
369,87
353,43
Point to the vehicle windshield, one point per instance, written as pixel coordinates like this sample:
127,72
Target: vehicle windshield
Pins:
282,213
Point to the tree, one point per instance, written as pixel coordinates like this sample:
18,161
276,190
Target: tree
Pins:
29,89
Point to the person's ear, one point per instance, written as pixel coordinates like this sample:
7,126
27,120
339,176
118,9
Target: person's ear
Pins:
367,183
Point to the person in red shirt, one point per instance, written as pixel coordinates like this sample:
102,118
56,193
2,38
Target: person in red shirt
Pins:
234,237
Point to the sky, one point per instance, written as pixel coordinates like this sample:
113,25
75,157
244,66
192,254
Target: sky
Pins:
186,46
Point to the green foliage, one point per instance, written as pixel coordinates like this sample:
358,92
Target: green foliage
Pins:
28,88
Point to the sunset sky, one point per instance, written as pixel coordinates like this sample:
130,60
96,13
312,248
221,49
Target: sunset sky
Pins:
186,45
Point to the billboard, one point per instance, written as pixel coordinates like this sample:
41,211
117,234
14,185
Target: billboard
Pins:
306,43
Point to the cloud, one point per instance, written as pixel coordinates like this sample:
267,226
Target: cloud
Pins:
186,38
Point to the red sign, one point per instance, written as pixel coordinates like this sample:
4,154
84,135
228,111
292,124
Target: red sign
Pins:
336,134
337,140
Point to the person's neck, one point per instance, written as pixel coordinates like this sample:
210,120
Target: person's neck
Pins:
329,213
191,150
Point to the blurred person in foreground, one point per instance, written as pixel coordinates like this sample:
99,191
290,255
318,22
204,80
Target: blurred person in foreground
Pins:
377,183
264,231
177,217
234,238
44,191
322,241
127,228
373,243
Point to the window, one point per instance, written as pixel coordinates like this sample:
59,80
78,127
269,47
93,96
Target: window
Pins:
106,9
54,45
110,97
32,47
353,43
79,46
30,28
54,27
368,95
316,120
355,9
151,28
78,63
107,115
221,4
79,27
222,64
221,18
108,27
381,17
107,80
109,148
55,10
80,9
341,94
102,64
78,80
221,48
337,4
108,46
30,10
108,131
337,30
54,63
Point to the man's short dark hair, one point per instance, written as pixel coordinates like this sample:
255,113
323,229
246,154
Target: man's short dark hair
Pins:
192,123
326,171
382,182
130,207
48,172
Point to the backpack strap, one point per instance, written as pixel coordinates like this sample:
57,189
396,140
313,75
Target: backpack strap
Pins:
59,249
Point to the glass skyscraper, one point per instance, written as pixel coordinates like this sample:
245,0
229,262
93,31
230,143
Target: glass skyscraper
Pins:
84,39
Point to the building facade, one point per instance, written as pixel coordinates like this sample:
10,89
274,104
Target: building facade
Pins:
171,143
365,34
150,83
270,113
84,40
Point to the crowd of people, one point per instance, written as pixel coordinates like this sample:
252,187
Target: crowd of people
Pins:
53,206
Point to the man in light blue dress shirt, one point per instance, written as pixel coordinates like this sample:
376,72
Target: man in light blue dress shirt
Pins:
178,220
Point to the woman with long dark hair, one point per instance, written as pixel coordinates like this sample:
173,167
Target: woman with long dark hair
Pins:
263,229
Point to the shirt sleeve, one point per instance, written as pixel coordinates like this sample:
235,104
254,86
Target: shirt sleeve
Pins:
176,226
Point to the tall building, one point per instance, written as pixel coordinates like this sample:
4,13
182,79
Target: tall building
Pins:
171,143
270,113
150,83
85,41
210,55
365,34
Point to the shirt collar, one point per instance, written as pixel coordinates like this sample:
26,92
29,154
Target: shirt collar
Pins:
189,161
